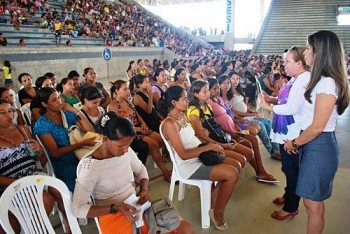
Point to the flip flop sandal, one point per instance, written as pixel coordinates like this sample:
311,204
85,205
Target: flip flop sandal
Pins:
268,180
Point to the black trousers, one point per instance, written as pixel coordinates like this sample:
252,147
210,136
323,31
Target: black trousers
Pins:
290,167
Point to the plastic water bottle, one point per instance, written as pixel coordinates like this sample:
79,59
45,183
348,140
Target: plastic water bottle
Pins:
31,153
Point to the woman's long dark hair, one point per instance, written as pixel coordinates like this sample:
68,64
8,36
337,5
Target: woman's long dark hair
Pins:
173,93
178,72
129,67
43,95
114,127
59,86
90,93
196,87
329,62
157,72
239,88
221,80
116,86
40,81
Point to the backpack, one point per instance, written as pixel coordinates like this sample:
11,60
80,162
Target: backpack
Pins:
162,217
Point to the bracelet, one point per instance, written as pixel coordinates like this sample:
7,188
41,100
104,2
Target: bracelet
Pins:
112,209
295,144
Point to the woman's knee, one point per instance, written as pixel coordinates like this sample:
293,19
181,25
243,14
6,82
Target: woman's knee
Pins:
152,144
48,200
185,228
223,172
236,156
314,207
234,163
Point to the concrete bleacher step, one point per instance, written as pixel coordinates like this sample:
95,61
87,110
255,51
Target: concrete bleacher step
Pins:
279,32
57,4
23,28
34,19
52,44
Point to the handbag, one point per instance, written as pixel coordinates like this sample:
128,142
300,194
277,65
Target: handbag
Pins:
75,136
215,130
210,158
162,217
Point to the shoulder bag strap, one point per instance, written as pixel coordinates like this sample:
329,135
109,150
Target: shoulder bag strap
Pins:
88,117
64,120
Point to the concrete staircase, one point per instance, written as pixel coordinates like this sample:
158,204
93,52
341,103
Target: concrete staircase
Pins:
289,23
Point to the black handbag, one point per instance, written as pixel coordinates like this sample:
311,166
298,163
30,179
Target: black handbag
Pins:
215,130
210,158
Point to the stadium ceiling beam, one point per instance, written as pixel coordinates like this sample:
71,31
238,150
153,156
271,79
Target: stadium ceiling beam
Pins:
170,2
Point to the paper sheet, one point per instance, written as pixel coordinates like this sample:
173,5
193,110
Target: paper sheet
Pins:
131,200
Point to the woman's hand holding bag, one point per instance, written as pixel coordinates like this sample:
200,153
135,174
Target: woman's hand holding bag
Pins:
212,157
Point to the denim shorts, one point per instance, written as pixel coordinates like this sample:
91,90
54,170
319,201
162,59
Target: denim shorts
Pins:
318,165
202,173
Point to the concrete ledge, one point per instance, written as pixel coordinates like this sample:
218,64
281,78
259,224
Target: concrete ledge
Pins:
61,60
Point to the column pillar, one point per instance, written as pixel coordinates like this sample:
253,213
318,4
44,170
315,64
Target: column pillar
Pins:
229,39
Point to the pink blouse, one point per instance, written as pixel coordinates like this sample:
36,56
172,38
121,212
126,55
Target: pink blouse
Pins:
221,116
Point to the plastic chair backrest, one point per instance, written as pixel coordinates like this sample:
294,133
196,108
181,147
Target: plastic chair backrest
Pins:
258,100
91,197
48,166
24,199
27,114
170,149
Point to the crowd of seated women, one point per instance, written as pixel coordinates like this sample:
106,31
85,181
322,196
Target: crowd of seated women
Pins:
188,98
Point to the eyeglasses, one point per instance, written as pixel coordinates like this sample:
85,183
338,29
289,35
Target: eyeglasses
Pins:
11,110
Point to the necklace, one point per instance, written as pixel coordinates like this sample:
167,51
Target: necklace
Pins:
7,139
180,121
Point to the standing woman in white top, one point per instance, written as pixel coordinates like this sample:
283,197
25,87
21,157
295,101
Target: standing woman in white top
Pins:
286,125
327,96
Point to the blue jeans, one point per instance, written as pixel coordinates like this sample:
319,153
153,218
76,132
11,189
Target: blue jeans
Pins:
264,134
74,33
290,167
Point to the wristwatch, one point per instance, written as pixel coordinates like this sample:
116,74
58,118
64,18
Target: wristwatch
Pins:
112,209
295,144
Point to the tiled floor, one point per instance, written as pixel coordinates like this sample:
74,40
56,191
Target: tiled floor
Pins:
249,209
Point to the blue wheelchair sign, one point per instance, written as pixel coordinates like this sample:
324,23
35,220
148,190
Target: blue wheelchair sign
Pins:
107,54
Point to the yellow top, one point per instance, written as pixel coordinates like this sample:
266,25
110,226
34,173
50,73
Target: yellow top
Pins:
58,26
192,110
7,75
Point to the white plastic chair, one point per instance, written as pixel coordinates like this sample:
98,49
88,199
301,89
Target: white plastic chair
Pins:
203,185
50,171
258,101
24,199
27,114
91,198
48,166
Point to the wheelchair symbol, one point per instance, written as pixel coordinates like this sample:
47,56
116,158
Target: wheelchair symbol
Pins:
107,54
